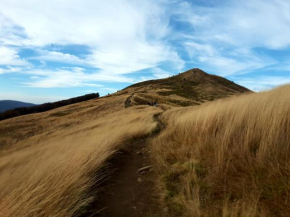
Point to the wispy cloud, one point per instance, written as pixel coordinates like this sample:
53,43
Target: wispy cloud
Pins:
126,39
9,56
123,39
262,83
69,77
55,56
9,69
223,38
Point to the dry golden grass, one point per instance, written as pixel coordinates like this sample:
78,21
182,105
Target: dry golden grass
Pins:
49,161
227,158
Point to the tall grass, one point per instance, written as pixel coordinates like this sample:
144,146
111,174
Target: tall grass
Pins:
51,173
227,158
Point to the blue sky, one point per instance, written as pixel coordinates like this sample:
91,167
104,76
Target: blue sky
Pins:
57,49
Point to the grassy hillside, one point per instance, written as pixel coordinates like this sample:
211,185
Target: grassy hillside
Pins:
49,161
226,158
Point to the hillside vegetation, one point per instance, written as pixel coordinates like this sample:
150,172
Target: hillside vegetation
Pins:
50,161
193,87
227,158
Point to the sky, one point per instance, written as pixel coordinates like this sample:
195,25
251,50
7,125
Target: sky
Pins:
57,49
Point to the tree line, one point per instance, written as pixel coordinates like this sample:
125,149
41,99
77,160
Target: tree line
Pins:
45,107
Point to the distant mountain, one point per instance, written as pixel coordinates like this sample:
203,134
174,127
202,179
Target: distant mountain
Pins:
11,104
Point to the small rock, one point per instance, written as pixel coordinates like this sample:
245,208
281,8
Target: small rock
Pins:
147,168
134,207
139,153
139,179
165,209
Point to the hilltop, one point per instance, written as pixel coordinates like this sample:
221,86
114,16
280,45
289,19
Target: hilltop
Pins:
192,87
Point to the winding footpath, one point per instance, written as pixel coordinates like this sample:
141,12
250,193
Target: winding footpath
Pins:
129,191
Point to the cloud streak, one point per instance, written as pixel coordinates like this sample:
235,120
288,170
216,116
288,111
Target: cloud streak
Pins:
69,77
123,39
223,38
9,56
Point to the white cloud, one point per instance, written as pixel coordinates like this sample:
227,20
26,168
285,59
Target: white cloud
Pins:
70,77
241,23
9,70
119,60
10,32
9,56
134,57
55,56
78,22
223,38
235,61
74,77
123,36
160,73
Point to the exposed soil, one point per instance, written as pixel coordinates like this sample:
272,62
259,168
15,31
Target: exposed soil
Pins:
128,192
128,101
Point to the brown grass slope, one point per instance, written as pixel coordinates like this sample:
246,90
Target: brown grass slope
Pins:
227,158
49,161
192,87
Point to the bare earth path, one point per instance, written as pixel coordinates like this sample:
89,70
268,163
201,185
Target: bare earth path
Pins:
128,192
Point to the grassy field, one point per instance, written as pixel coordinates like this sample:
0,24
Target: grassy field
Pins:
49,172
226,158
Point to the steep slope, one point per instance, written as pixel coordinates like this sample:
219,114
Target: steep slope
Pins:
11,104
192,87
226,158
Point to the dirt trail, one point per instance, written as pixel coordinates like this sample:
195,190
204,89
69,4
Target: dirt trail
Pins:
128,101
129,192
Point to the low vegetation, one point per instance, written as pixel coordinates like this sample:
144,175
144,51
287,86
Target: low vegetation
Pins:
226,158
51,172
192,87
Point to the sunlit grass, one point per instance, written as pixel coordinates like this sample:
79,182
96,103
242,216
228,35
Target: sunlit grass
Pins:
227,158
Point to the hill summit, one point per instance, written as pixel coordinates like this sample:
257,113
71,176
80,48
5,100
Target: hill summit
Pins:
192,87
